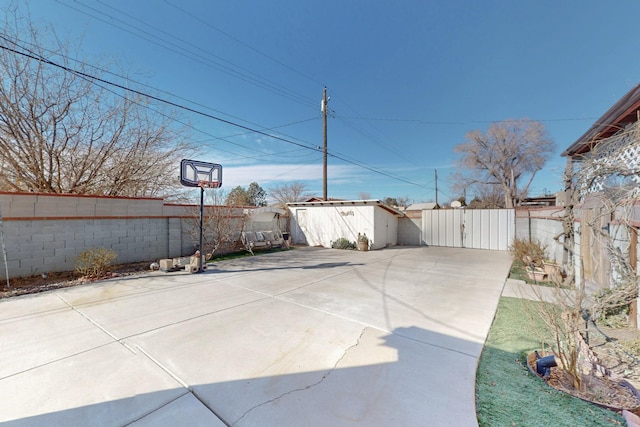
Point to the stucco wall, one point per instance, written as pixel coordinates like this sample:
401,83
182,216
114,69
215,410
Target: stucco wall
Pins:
409,231
386,229
325,224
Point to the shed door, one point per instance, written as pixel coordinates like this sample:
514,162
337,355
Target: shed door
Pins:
300,225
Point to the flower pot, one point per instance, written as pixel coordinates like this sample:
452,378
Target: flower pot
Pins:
551,268
536,274
363,246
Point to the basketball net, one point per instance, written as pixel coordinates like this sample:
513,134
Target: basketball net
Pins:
208,184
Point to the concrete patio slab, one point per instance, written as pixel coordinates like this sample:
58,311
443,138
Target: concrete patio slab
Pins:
31,341
184,411
304,337
134,314
28,305
106,386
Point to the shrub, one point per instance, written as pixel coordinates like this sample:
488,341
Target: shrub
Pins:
529,251
610,308
95,262
343,243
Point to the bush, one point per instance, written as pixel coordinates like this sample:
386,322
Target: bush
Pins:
343,243
611,309
529,251
95,262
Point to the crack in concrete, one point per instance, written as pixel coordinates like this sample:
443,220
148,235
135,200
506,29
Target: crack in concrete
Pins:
308,387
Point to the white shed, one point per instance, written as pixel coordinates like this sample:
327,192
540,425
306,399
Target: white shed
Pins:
321,223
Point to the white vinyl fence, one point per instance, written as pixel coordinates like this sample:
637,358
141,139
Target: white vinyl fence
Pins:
469,228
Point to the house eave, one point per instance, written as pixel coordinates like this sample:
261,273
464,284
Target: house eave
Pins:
624,111
372,202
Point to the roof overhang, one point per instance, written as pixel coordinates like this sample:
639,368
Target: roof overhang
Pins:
624,111
336,203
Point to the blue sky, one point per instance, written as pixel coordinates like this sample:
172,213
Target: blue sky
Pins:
407,80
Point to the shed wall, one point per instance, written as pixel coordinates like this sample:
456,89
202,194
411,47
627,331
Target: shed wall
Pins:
322,225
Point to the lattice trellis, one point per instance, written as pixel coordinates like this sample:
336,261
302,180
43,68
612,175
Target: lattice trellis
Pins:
614,162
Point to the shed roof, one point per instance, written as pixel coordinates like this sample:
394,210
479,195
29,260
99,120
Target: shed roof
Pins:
372,202
624,111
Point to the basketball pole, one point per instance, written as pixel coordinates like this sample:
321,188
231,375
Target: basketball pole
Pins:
200,270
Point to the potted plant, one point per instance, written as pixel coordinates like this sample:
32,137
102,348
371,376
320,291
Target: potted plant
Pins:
551,267
363,242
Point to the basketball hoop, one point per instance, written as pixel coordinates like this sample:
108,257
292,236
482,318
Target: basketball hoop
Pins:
208,184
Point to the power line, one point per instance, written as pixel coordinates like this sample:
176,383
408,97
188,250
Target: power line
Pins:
208,24
155,98
239,72
388,119
129,80
35,56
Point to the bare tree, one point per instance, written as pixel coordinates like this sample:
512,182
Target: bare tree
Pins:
221,224
510,152
289,193
363,195
487,197
63,131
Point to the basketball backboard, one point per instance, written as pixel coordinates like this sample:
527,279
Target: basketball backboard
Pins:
194,173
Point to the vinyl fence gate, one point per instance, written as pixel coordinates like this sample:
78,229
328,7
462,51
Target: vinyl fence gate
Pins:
469,228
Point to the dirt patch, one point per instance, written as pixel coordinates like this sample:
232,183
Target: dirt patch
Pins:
50,281
618,349
612,377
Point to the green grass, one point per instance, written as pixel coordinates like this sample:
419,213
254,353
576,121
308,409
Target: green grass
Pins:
507,394
518,272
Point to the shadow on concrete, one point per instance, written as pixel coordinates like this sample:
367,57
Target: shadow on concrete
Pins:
408,387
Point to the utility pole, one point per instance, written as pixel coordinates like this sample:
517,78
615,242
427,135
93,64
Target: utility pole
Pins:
437,205
324,150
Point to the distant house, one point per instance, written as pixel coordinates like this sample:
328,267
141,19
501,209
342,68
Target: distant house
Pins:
609,146
422,206
557,199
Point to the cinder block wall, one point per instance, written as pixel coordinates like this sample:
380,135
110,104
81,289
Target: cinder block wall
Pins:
45,233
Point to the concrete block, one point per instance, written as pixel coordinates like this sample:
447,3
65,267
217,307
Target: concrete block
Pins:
56,206
42,253
86,206
21,208
27,247
67,252
42,238
182,261
32,263
101,233
12,265
57,244
57,263
166,264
